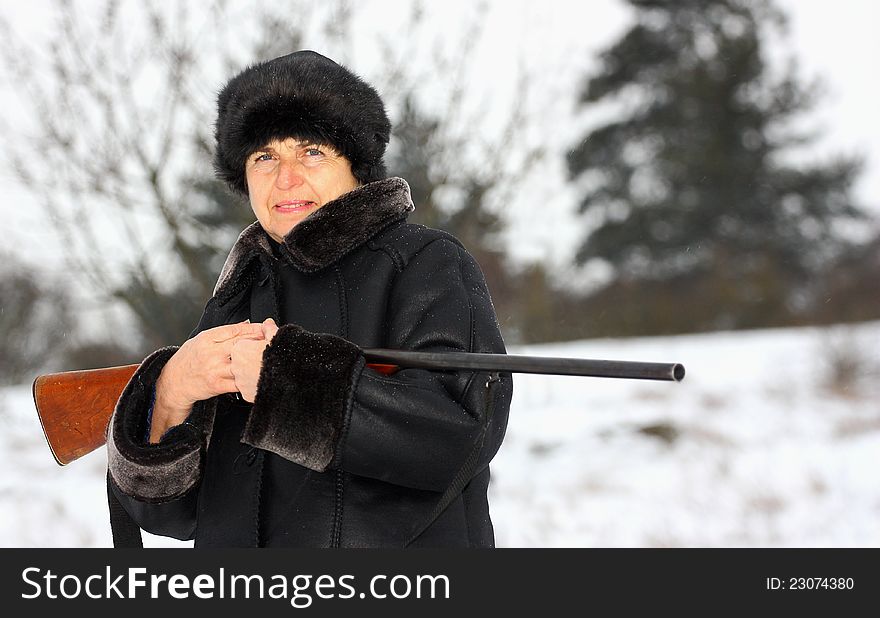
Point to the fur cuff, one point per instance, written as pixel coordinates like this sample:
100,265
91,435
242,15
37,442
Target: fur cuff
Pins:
303,396
155,472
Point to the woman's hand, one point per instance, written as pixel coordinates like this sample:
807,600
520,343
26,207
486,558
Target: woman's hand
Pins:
200,369
247,360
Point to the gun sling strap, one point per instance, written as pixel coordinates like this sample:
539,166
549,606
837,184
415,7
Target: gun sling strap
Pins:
126,533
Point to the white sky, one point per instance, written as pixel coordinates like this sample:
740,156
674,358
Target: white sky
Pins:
837,41
834,41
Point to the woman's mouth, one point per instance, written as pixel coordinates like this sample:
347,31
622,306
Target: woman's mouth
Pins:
294,206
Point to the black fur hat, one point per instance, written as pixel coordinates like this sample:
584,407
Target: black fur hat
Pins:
306,96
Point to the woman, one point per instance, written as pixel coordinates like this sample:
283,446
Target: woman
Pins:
266,428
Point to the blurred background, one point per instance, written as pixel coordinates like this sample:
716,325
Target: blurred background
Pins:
691,181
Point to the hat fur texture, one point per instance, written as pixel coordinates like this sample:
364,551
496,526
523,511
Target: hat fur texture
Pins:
306,96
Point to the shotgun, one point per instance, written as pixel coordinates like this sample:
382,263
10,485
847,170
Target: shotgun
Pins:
75,406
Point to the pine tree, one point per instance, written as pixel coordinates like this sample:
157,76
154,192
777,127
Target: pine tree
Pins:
690,192
456,197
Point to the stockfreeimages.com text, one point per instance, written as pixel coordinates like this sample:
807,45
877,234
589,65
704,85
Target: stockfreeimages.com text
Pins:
300,590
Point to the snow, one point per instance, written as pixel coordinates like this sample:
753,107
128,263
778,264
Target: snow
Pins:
755,448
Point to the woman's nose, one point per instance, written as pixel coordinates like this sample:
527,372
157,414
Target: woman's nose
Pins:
289,174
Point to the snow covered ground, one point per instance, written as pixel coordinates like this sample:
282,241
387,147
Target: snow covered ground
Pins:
758,447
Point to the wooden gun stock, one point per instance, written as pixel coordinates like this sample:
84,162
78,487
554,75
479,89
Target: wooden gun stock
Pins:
75,406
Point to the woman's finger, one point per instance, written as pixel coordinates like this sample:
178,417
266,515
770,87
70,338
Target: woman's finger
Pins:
269,328
226,332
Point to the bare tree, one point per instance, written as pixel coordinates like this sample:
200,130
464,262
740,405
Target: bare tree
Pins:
461,175
119,116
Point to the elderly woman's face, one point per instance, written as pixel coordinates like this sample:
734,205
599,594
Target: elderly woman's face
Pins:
290,179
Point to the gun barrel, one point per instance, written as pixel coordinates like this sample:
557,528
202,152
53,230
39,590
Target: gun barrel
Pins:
75,406
671,372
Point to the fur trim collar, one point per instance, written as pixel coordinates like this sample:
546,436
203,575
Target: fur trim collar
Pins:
324,237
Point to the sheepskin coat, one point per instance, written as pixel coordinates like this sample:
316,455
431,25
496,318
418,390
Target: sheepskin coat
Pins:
331,453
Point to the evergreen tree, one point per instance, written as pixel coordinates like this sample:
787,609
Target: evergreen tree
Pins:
690,192
447,196
456,197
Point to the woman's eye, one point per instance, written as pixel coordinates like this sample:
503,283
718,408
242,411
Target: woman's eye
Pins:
263,157
313,152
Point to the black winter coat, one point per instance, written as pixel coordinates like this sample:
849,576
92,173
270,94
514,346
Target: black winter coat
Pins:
331,453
